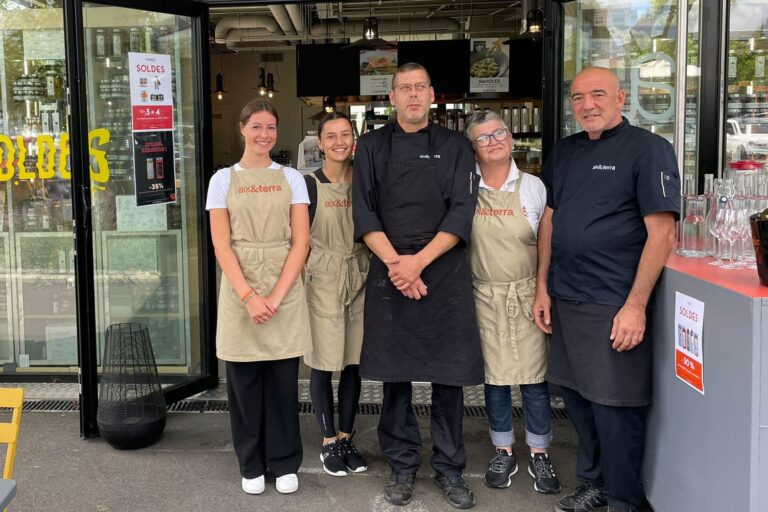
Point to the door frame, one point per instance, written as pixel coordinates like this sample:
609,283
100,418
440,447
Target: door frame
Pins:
74,32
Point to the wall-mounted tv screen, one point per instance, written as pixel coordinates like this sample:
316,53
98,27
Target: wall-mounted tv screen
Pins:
327,70
446,60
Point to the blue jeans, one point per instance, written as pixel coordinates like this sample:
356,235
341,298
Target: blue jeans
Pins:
536,409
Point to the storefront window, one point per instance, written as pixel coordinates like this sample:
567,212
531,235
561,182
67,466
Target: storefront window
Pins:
746,117
37,292
141,80
635,38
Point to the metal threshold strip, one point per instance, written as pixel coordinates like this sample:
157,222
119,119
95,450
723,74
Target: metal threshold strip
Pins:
221,406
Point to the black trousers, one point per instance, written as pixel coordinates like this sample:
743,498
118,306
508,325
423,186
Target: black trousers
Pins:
399,432
264,414
611,445
321,391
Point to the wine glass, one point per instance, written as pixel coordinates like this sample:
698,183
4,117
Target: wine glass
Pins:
730,230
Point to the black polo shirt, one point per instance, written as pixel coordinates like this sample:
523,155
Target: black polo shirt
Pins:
600,190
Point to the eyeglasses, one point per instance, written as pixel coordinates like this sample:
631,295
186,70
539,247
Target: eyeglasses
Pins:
407,88
500,134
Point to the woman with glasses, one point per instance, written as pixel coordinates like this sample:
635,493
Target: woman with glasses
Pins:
503,260
336,273
260,232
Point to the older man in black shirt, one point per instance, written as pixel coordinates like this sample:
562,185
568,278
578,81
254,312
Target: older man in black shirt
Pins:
413,200
613,194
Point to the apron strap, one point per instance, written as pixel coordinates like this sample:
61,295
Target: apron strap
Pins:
513,304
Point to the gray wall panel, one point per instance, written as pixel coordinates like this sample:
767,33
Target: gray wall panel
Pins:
699,450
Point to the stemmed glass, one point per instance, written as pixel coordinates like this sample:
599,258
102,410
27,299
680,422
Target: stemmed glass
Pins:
745,233
728,221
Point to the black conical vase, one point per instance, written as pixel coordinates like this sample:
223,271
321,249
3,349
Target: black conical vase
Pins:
131,412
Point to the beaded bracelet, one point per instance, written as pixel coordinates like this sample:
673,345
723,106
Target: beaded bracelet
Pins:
245,298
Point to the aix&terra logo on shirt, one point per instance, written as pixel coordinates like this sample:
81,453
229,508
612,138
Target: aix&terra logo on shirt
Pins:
255,189
603,167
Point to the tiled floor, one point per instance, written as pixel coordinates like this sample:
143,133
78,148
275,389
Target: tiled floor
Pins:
371,393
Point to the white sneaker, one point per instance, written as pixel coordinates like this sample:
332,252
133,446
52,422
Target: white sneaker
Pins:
287,484
253,485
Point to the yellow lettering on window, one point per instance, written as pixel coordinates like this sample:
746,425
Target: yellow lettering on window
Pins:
64,156
23,173
101,136
7,157
45,156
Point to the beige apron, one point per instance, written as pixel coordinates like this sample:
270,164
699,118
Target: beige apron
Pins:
336,271
503,260
259,204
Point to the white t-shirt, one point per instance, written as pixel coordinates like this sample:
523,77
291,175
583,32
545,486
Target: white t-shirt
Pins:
219,186
533,194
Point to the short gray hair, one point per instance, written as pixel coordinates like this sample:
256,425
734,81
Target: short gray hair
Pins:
410,66
479,117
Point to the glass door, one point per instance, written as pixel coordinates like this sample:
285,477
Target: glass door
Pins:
143,116
638,41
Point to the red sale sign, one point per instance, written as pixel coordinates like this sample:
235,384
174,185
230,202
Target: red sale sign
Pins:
689,342
152,118
151,83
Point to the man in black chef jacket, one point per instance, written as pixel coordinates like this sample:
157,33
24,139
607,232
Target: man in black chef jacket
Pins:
613,195
413,199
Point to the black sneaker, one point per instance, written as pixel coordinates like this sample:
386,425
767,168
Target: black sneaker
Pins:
456,491
333,460
354,461
586,498
399,490
500,470
545,479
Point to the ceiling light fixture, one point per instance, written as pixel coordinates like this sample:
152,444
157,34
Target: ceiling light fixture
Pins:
535,21
219,92
371,39
534,27
262,87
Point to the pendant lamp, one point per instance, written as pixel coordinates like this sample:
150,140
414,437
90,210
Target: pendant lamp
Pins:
534,22
371,39
219,92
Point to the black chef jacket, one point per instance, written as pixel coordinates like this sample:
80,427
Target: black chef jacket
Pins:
457,179
600,190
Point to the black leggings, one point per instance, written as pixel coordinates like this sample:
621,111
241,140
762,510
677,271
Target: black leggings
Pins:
321,391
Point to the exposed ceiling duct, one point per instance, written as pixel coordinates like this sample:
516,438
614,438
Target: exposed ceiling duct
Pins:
230,23
282,18
296,17
288,24
390,27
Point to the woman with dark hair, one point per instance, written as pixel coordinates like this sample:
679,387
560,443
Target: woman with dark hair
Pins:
336,270
260,232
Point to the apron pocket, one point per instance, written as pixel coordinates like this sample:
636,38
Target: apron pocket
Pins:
322,295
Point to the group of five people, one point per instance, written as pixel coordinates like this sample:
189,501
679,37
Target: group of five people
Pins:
432,258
